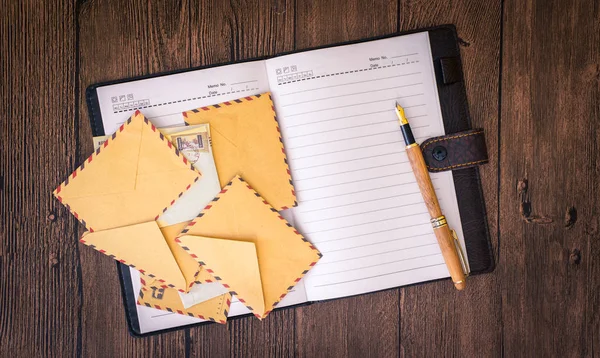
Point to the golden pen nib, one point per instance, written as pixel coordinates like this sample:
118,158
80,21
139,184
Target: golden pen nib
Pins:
400,114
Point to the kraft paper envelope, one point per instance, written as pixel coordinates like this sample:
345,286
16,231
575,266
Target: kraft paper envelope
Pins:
211,307
248,247
194,143
215,309
196,278
119,192
246,141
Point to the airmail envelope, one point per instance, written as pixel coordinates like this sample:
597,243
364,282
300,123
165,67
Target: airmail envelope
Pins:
246,141
215,309
120,191
248,247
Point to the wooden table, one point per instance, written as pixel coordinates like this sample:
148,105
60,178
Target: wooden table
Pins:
533,81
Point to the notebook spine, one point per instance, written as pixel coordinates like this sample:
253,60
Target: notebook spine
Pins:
94,112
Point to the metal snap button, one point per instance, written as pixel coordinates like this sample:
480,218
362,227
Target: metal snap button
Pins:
439,153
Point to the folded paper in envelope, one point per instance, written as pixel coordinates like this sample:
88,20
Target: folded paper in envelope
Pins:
119,192
247,246
246,141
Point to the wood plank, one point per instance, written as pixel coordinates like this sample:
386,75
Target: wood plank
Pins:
543,298
119,40
232,31
450,322
38,260
365,325
549,155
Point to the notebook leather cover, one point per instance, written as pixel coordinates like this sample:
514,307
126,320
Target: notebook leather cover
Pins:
455,112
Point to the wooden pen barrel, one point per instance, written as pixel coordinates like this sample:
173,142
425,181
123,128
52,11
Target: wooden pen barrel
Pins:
442,233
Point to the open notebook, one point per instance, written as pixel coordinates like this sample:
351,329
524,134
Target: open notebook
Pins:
358,199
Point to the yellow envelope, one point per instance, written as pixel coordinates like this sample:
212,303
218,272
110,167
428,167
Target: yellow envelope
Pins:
246,141
247,246
215,310
191,270
119,192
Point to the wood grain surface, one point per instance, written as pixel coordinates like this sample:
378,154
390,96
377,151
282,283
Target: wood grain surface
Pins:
532,71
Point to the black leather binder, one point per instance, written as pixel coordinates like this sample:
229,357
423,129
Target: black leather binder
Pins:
461,150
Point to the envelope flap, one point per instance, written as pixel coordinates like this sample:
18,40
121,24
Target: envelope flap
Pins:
112,172
159,173
187,264
227,160
233,263
141,246
203,276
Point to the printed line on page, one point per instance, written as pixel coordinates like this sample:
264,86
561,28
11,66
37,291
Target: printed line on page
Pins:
370,266
382,275
337,118
362,125
162,315
348,160
378,254
369,222
395,130
332,74
351,171
364,212
351,94
184,100
240,83
378,243
345,150
361,191
359,202
339,129
349,83
410,54
374,232
355,181
354,105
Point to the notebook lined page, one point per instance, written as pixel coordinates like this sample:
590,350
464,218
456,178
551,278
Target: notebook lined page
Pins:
358,199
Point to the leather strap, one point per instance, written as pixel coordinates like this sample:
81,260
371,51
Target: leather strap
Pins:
455,151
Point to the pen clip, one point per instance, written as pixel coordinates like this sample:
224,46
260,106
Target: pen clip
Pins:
461,255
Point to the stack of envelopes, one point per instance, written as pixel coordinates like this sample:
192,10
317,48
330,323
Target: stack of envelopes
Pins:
238,240
120,191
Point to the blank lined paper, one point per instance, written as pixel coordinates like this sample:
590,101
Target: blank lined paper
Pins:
358,199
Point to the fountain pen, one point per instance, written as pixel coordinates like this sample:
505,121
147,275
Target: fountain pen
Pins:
446,238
